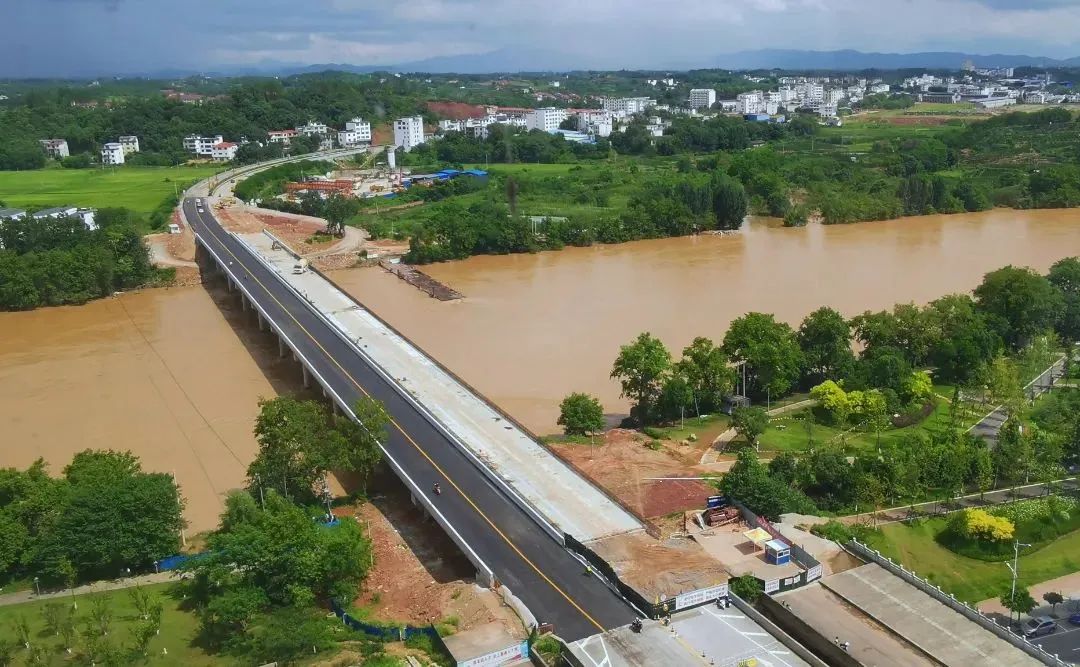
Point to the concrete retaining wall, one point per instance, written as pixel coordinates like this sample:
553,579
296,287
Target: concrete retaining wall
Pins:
801,631
950,601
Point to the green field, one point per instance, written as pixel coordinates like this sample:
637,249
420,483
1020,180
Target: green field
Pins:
137,188
969,579
177,636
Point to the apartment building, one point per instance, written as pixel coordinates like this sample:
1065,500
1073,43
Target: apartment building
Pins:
224,151
702,98
546,119
201,145
408,132
357,131
628,106
284,137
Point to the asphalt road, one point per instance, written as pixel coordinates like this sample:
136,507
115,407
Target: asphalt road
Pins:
539,571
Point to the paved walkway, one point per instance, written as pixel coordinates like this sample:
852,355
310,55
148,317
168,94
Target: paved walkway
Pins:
988,426
94,587
709,456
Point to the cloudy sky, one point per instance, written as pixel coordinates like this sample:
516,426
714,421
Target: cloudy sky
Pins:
98,37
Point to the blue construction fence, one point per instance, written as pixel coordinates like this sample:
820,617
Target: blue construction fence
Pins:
174,562
386,633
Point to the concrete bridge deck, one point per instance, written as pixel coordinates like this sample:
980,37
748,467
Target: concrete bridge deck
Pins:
494,531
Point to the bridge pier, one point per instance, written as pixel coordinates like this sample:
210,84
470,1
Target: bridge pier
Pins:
259,319
243,303
280,348
307,377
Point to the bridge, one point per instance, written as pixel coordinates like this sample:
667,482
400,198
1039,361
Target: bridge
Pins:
510,543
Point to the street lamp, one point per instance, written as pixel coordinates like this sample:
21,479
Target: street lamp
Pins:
1014,568
37,586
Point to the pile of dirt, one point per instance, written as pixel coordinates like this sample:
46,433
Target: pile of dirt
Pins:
419,575
623,463
456,110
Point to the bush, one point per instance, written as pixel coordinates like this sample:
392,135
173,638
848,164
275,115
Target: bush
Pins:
580,414
976,524
835,531
747,587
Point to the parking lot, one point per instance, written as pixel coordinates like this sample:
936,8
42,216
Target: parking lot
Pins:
1065,641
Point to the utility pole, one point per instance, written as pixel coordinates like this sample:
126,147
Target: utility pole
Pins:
1014,567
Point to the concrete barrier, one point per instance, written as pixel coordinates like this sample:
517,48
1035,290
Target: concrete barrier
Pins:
492,476
950,601
515,603
801,631
484,573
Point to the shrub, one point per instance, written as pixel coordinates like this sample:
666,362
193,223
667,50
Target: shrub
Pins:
978,524
747,587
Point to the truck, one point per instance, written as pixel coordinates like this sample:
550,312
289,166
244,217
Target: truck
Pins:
300,266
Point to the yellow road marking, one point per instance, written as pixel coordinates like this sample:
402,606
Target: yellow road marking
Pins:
407,436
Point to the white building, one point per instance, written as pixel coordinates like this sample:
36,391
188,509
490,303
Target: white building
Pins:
12,214
130,143
357,131
57,148
224,151
86,215
628,106
408,132
546,119
879,89
448,125
751,102
200,145
112,153
833,96
702,97
313,129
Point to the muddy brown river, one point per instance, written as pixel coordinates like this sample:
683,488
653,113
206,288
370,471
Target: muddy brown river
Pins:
174,375
533,328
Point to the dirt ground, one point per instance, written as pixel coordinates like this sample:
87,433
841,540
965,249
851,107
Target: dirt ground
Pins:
623,462
455,110
420,576
671,566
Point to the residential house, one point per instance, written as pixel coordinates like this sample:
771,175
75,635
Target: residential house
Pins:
282,136
130,144
546,119
224,151
12,214
85,215
57,148
201,145
357,131
112,153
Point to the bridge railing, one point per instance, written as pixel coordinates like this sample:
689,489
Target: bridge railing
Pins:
484,469
484,572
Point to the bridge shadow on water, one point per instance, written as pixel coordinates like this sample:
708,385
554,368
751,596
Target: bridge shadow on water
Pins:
439,556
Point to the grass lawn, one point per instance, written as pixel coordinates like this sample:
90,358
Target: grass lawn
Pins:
967,578
788,433
178,628
706,428
137,188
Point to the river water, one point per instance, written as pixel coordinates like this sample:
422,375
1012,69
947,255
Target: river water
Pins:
175,375
533,328
163,373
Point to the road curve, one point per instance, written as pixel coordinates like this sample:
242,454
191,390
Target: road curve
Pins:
541,572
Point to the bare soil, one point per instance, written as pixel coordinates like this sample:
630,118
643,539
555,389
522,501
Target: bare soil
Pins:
670,566
419,575
456,110
622,462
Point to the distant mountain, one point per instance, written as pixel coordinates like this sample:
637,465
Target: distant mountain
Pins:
501,61
791,59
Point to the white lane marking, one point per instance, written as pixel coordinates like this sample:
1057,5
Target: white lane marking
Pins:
756,642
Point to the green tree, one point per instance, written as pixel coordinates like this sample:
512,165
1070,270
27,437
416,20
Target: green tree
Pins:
730,202
750,423
1019,601
1065,277
1019,302
783,467
337,209
746,587
581,414
965,343
825,340
770,351
676,397
641,367
708,373
286,635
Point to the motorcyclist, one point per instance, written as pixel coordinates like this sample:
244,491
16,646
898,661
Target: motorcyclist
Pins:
437,490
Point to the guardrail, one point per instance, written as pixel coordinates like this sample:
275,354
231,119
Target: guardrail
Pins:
484,573
949,600
494,477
